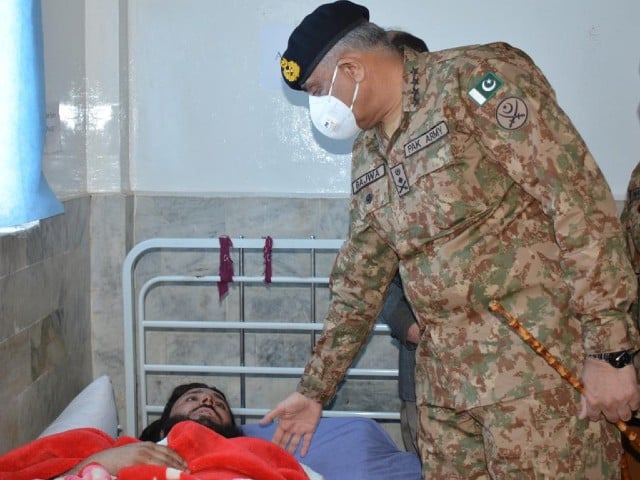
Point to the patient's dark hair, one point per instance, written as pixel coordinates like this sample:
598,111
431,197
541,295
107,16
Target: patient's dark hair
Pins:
154,431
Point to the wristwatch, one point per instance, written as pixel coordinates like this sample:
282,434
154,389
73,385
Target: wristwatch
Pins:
616,359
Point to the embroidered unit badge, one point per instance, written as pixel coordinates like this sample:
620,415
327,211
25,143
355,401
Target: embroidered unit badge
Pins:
512,113
400,179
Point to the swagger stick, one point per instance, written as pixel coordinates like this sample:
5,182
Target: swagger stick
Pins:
529,339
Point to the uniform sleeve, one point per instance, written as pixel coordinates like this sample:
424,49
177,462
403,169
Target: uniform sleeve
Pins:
521,127
631,218
362,271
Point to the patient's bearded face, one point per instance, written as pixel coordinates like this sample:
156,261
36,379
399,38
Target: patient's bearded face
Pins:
203,405
206,407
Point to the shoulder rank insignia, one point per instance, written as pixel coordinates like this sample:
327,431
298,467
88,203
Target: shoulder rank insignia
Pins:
485,88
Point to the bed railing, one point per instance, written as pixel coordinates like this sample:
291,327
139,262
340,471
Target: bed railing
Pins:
137,325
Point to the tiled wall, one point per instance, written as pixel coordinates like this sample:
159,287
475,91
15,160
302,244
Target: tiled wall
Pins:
45,344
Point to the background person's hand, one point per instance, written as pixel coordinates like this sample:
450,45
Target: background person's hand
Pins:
413,334
297,418
608,390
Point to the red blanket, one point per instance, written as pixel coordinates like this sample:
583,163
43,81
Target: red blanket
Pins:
209,456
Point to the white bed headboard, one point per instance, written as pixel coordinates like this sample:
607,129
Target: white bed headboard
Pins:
254,343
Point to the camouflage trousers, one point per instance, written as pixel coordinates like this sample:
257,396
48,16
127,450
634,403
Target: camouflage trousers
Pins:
536,437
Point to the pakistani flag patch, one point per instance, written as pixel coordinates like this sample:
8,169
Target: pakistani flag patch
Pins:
485,88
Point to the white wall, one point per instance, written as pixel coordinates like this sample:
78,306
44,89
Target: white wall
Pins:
209,114
86,95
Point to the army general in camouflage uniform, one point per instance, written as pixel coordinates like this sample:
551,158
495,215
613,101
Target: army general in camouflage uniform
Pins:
471,181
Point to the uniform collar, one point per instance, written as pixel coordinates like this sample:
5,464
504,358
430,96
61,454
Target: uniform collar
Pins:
415,72
413,90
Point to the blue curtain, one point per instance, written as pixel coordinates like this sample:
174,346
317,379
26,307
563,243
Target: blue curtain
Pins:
25,195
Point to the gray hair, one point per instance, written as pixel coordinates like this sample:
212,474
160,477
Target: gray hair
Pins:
364,37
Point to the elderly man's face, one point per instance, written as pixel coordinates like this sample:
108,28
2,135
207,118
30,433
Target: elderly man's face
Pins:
319,83
202,403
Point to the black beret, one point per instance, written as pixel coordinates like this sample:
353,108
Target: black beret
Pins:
314,37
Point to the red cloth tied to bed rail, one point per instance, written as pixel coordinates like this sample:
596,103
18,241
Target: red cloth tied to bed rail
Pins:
268,247
209,456
226,266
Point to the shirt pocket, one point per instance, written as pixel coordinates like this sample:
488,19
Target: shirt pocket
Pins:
451,192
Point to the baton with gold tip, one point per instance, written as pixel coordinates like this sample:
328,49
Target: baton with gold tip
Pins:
534,343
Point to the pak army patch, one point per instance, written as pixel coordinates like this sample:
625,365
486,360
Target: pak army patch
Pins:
426,139
485,88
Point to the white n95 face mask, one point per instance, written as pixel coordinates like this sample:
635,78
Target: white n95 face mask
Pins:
332,117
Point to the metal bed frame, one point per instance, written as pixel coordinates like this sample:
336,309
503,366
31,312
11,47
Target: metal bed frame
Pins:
136,323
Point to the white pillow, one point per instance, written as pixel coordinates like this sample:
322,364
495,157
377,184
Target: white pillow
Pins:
93,407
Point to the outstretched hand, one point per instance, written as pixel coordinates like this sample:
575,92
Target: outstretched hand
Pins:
611,391
297,418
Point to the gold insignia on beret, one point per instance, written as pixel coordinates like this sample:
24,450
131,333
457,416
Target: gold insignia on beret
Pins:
290,69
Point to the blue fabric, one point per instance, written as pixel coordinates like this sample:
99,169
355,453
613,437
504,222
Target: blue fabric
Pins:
352,448
25,195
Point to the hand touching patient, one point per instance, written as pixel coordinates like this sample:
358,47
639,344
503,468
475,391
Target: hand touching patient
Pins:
297,418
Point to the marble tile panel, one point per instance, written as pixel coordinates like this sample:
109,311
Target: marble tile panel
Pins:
247,217
27,296
173,302
13,253
35,414
34,246
380,351
47,344
291,218
364,394
56,235
8,424
7,311
196,348
333,218
267,392
109,233
178,217
282,349
15,358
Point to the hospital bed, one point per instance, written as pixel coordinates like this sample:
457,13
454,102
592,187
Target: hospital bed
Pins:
252,344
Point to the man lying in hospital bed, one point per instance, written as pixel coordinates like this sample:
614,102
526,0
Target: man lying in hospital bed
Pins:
209,446
196,438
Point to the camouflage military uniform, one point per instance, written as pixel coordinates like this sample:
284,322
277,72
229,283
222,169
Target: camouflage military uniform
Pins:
631,223
486,191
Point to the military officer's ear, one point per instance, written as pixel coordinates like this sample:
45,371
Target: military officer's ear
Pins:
353,67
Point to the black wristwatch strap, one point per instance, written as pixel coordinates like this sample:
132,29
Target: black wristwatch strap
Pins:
616,359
